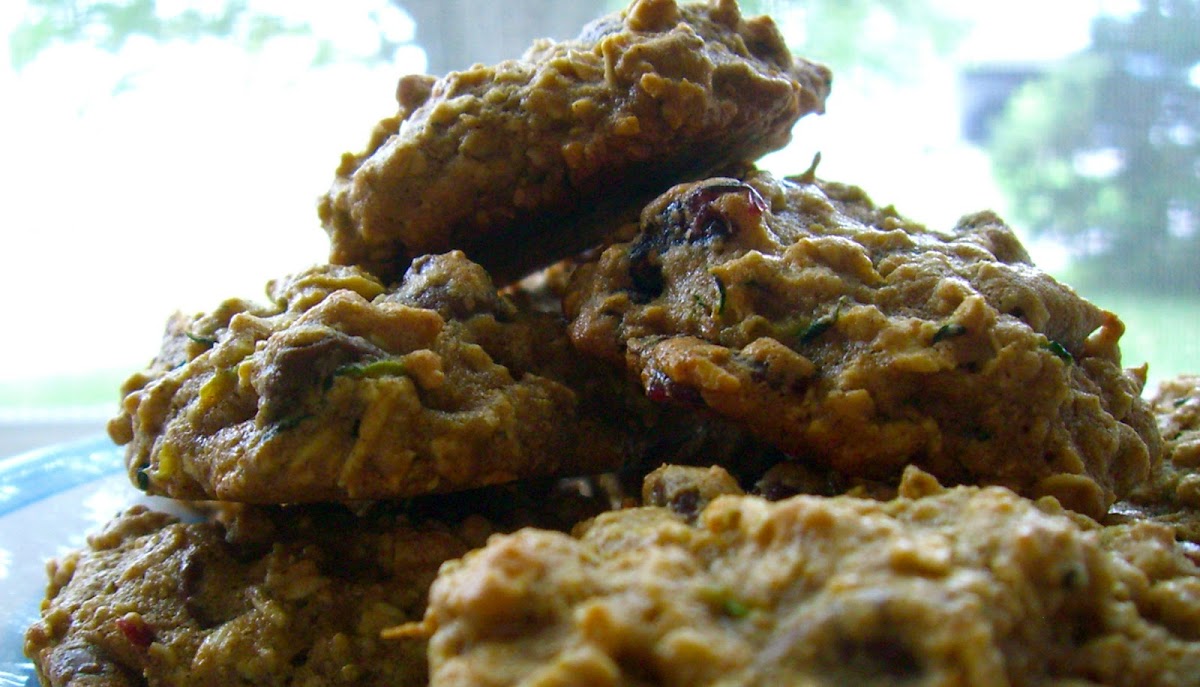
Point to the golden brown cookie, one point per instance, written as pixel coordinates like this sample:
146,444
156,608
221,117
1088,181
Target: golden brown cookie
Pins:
965,586
344,389
268,595
156,601
849,336
525,162
687,490
1172,493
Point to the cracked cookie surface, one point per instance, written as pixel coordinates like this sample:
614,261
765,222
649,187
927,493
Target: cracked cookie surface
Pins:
344,389
524,162
155,601
851,337
1172,493
257,595
940,586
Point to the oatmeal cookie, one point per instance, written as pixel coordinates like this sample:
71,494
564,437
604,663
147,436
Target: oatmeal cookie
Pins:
687,490
299,599
849,336
960,586
542,291
540,151
1172,494
269,595
344,389
791,478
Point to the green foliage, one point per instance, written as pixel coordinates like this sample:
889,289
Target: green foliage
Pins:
1102,153
109,25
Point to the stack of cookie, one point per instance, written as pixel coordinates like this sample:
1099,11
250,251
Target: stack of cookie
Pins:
648,415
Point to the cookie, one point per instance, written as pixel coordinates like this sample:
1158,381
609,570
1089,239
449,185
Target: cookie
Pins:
343,389
1172,493
939,586
526,161
853,338
268,595
156,601
687,490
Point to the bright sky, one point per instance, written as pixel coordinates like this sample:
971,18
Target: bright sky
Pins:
1018,30
196,183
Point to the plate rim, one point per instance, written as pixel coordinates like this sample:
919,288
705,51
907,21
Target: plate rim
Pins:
29,477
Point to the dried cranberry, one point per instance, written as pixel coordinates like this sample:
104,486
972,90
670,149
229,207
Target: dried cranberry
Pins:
694,218
136,630
688,220
663,389
706,221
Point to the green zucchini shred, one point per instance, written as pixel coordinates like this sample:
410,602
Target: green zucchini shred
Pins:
204,340
949,331
384,367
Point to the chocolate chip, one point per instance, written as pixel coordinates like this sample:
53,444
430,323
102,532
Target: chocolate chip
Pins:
686,503
646,273
292,372
878,657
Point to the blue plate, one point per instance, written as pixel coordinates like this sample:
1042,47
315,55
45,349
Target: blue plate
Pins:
50,500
